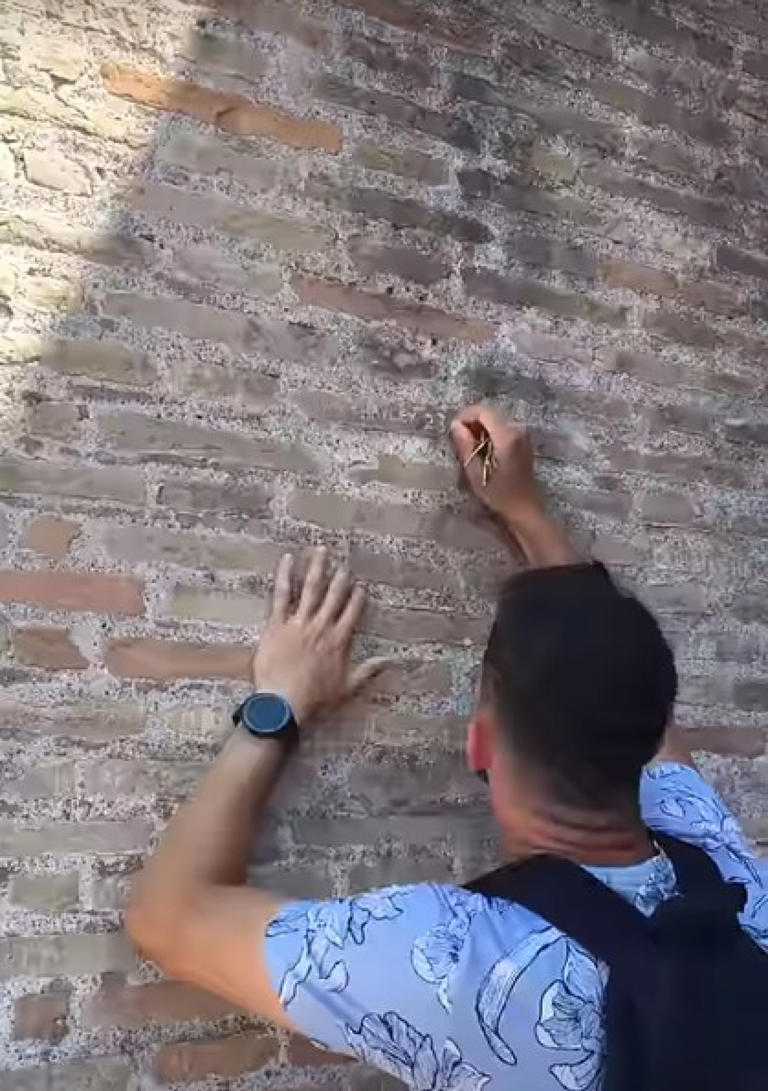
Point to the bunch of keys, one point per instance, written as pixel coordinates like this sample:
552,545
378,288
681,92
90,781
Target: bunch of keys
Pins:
484,450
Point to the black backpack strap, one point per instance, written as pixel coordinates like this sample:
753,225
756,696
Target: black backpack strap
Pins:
695,870
578,904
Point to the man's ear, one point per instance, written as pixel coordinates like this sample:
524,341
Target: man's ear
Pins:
480,736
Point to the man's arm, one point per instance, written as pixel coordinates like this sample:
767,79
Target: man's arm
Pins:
513,494
190,911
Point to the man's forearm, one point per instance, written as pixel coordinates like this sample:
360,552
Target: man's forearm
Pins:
544,542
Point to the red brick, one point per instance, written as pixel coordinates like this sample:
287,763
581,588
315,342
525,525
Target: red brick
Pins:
50,536
303,1053
400,111
335,296
464,33
159,1002
639,278
233,113
490,285
45,646
42,1016
167,660
185,1062
92,591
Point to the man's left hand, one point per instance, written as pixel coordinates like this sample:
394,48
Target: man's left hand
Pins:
304,654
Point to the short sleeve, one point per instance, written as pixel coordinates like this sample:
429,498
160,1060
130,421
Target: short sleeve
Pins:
337,963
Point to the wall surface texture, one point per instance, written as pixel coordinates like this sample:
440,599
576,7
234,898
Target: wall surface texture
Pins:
252,254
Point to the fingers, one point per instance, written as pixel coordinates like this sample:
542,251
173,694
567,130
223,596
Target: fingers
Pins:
365,672
281,603
314,584
474,420
335,598
351,614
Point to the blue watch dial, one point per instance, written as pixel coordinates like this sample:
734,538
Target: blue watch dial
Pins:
266,713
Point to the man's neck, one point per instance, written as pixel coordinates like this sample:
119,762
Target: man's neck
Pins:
585,837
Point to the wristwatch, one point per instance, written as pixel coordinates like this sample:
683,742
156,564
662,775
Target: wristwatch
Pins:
268,716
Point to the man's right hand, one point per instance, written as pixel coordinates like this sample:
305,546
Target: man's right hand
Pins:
510,491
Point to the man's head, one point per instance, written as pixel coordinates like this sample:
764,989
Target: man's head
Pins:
578,686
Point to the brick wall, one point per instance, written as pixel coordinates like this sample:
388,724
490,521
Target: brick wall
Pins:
253,253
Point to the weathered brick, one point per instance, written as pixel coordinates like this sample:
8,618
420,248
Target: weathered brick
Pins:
403,161
65,838
464,32
639,278
372,257
200,264
49,536
166,660
104,1074
430,321
116,779
745,431
206,154
400,111
222,607
408,475
134,432
42,781
407,626
56,419
47,956
747,742
46,646
685,467
96,721
517,194
226,1057
376,204
304,1054
750,609
112,881
756,64
231,218
55,294
53,170
412,66
377,417
700,210
214,552
680,418
394,357
233,113
223,498
667,509
740,261
661,30
614,504
665,156
660,110
162,1003
41,1015
751,694
195,320
91,591
340,513
552,254
678,327
46,893
651,369
248,387
44,232
275,17
103,359
570,34
713,297
397,571
487,284
294,341
230,56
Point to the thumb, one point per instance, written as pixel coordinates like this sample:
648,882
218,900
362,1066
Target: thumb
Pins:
364,672
463,439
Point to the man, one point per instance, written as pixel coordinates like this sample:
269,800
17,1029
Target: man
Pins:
440,986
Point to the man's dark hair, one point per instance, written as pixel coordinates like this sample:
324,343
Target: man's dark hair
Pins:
582,681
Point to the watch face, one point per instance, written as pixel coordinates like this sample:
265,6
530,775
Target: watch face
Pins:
266,713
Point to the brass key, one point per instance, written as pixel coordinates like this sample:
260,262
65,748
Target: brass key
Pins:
485,449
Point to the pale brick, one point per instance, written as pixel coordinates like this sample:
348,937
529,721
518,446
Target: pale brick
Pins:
161,1003
224,498
403,161
223,607
230,56
492,286
205,154
204,264
382,417
104,1074
93,591
7,164
408,626
117,779
47,646
58,420
94,721
113,880
226,1057
151,544
53,170
50,536
64,57
43,232
64,838
240,221
195,320
42,1016
372,257
44,780
47,956
106,360
52,294
670,509
135,432
247,387
46,893
166,660
419,317
24,348
33,476
408,475
232,113
276,17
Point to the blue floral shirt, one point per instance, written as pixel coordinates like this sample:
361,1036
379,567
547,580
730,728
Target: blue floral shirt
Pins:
446,989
